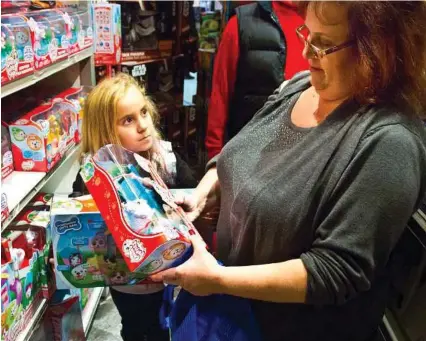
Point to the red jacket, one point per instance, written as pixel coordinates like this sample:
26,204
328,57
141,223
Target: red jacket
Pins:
225,70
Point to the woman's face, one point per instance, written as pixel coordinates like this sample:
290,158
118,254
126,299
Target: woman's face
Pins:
134,125
330,75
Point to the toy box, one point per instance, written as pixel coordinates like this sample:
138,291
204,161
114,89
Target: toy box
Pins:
17,51
77,97
145,223
66,317
80,31
48,36
41,137
107,31
35,224
19,285
84,251
6,153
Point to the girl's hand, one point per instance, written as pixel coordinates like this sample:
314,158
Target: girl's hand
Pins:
200,275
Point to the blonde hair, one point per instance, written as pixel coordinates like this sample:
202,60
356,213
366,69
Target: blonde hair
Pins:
100,114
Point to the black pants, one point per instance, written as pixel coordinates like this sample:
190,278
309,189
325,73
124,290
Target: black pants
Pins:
140,316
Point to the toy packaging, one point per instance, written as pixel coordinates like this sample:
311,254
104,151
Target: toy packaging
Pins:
145,223
84,250
77,97
35,224
107,24
17,55
6,153
41,137
80,31
66,317
19,284
48,36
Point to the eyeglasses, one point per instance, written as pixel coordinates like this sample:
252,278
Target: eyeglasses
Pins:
303,33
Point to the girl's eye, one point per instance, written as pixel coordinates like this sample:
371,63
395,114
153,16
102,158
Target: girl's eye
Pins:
128,120
144,113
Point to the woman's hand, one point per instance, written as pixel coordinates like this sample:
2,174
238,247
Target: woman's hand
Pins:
191,204
200,275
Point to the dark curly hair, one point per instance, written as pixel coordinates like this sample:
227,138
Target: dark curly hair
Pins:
390,50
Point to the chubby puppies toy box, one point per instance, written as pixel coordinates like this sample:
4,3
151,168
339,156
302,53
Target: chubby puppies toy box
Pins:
137,207
86,254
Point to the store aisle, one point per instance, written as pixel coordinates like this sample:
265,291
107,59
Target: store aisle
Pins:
106,324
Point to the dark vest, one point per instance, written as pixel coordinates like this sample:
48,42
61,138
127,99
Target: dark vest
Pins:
260,65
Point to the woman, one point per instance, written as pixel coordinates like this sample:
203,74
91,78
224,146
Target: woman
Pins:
317,189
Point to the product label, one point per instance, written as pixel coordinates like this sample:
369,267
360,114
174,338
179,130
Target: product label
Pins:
12,62
7,159
134,249
65,226
28,54
53,49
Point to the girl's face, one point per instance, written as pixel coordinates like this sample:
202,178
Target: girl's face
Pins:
134,124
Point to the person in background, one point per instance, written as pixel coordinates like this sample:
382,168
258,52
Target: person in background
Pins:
317,189
118,111
257,52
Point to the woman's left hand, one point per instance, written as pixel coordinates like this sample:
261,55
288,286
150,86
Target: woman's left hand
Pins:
200,275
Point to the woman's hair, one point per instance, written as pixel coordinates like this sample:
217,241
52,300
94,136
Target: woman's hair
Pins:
101,116
390,45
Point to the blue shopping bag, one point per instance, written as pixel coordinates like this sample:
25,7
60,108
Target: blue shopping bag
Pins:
208,318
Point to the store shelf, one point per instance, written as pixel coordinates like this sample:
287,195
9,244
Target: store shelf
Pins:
90,309
21,187
26,334
25,82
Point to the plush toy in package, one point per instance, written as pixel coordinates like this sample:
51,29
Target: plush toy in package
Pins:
143,220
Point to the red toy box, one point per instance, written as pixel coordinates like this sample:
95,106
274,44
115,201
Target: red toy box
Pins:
41,137
145,223
77,97
17,57
49,35
80,31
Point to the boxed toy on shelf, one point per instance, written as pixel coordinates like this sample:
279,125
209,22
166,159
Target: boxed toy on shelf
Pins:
77,97
34,223
6,153
107,32
19,284
80,31
41,137
17,55
145,223
49,37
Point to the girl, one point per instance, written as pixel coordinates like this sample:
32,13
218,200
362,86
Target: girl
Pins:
118,111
